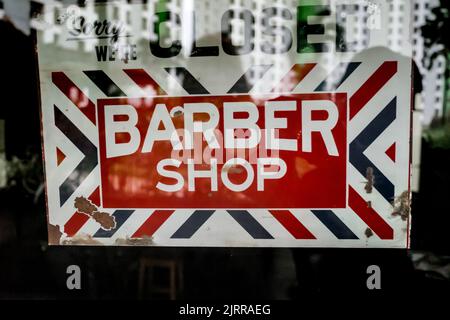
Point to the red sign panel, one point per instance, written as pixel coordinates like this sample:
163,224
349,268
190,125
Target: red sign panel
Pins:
237,151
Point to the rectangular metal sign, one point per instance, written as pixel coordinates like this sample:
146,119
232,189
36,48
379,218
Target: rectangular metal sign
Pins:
205,124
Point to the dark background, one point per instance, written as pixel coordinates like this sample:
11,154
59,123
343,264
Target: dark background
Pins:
30,269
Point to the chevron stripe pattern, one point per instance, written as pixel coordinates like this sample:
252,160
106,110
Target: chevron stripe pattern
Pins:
374,111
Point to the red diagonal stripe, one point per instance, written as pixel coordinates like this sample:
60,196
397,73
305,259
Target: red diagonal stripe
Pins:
78,219
75,95
75,223
144,81
373,220
370,88
295,75
291,223
149,227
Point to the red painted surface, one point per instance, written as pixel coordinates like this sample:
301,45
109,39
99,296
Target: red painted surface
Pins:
149,227
313,179
292,224
144,81
60,156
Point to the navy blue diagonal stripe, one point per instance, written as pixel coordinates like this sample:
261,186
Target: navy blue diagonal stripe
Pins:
86,165
192,224
187,80
349,70
243,84
120,216
104,83
370,133
249,223
334,224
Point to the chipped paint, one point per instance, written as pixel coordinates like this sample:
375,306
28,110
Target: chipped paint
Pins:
106,221
144,241
81,240
402,206
368,232
370,180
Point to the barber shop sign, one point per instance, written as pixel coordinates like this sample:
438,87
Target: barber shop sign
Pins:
226,127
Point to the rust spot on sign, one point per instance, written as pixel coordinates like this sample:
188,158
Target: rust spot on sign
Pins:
302,167
368,232
54,234
402,206
370,180
106,221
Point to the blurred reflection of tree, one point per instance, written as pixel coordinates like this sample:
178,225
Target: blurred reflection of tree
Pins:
437,43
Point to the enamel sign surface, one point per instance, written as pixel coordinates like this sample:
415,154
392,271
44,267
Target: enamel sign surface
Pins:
210,125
